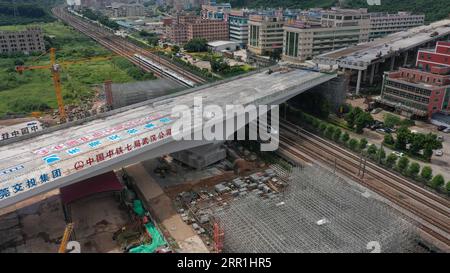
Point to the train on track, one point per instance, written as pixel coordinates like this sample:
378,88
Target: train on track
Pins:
164,71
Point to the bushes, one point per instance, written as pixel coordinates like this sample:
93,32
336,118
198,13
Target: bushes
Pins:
427,173
337,134
329,132
447,187
345,137
196,45
353,144
389,139
390,160
437,182
27,105
402,164
362,143
413,170
372,151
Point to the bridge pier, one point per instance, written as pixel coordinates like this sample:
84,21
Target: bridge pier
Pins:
405,61
372,73
358,82
392,63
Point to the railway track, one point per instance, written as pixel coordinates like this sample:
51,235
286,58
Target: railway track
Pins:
122,47
432,210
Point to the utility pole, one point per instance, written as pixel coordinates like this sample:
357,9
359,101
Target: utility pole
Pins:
364,169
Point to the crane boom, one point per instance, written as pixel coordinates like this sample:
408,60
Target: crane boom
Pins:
56,76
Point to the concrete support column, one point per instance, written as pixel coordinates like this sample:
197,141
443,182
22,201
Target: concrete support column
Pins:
358,82
365,75
392,63
372,73
405,61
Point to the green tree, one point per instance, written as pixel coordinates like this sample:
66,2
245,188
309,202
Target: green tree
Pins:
447,187
362,144
413,170
353,144
391,120
402,164
322,127
391,159
427,173
389,139
403,137
337,134
351,116
329,131
345,137
362,120
175,49
196,45
437,181
372,150
381,155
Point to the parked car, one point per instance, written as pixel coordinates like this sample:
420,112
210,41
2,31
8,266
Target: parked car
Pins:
441,128
399,154
446,130
376,111
381,130
439,153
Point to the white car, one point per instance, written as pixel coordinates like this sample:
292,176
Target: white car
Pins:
446,130
439,153
399,154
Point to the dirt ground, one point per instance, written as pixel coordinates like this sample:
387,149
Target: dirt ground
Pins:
95,219
35,228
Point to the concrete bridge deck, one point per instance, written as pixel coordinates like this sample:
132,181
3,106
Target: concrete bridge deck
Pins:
57,157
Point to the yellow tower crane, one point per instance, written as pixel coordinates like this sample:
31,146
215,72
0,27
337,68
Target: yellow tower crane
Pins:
55,68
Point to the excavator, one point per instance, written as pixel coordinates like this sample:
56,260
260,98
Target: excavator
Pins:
55,69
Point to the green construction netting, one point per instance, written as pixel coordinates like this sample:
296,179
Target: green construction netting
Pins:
157,241
138,208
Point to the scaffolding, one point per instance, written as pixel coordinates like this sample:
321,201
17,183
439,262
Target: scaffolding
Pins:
319,212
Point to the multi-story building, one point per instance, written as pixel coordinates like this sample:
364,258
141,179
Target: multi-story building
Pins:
337,29
439,56
382,24
185,28
424,91
215,11
211,30
265,34
238,26
126,10
26,41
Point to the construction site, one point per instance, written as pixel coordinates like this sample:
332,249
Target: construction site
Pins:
242,203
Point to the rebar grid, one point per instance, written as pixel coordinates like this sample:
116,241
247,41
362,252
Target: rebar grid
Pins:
289,222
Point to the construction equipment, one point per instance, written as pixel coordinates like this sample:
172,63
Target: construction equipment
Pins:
65,238
55,68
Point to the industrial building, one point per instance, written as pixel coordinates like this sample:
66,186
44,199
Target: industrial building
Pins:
337,29
265,33
382,24
187,27
25,41
424,91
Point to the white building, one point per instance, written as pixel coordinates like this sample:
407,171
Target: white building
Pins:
338,28
219,46
382,24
